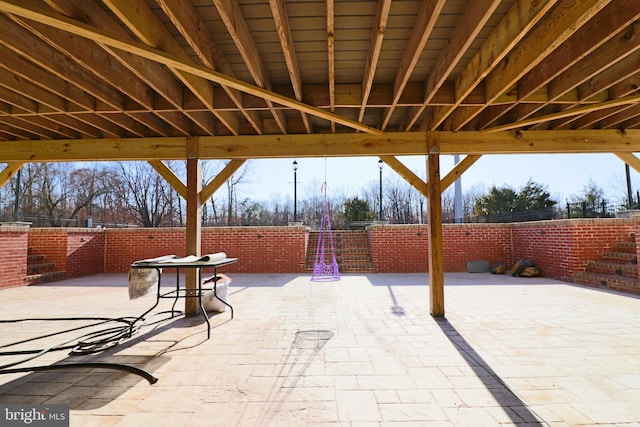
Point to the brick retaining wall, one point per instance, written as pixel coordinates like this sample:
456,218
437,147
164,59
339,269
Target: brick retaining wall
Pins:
405,248
260,249
76,251
560,248
563,248
13,248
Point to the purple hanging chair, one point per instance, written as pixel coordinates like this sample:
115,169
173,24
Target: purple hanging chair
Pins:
323,271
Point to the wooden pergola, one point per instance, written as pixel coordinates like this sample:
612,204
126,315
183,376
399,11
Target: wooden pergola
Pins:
193,80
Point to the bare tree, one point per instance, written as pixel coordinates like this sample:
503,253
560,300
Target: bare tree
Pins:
232,202
61,194
146,193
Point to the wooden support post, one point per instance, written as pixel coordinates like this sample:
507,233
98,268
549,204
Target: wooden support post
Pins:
194,231
436,257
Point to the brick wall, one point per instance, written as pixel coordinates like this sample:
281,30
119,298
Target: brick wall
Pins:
13,247
259,249
399,248
563,248
125,246
560,248
476,242
77,251
85,252
405,248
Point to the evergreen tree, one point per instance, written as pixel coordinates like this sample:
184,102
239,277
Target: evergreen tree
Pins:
357,210
504,204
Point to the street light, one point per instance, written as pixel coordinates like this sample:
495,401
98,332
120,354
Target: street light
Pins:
380,164
295,191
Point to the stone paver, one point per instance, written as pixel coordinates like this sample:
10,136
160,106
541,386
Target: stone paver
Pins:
362,351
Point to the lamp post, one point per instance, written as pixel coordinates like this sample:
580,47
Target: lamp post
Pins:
16,208
380,164
295,191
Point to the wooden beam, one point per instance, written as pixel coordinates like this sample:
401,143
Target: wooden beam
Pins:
572,63
173,61
407,174
523,16
413,144
9,171
458,170
317,145
578,53
283,27
152,73
630,159
377,35
424,24
331,58
618,119
193,240
193,28
474,19
238,29
564,20
141,20
220,179
436,256
627,100
173,180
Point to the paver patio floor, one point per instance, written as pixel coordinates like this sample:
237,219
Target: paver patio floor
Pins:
362,351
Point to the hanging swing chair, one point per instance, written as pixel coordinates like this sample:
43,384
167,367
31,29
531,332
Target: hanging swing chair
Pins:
323,271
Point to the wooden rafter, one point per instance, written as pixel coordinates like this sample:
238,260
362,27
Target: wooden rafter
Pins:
191,26
523,16
237,27
564,20
541,58
377,35
170,60
331,58
142,22
627,100
619,41
151,73
426,20
473,20
614,19
279,11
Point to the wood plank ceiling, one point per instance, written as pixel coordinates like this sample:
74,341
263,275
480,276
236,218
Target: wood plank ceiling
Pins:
126,79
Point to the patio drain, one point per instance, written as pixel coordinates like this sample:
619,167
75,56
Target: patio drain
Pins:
313,339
